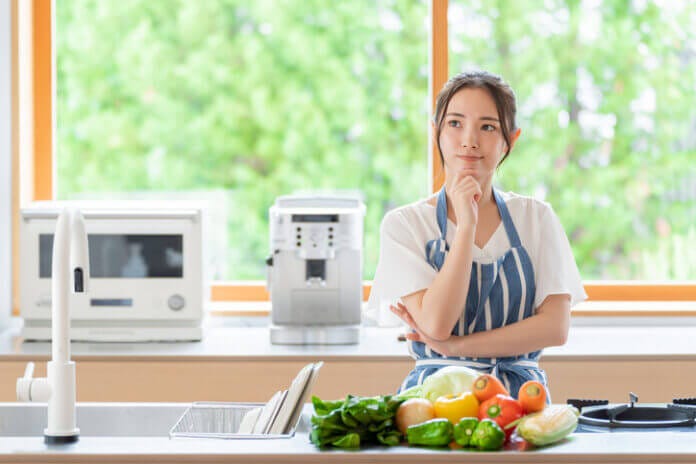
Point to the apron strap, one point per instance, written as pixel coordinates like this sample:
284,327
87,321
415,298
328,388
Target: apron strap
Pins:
514,238
436,250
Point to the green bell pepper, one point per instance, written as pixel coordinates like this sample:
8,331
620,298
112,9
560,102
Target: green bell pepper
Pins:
488,436
464,430
435,432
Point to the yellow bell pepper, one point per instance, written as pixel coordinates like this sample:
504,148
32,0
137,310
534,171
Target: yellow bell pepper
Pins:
454,407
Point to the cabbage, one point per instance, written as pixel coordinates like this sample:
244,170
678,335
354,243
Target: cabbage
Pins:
450,380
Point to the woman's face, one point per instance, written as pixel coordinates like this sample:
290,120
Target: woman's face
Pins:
471,139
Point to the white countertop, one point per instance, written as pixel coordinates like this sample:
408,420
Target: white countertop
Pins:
622,447
222,341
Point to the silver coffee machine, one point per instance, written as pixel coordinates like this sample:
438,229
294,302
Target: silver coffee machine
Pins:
314,273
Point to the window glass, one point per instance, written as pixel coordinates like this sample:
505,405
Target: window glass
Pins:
607,105
238,102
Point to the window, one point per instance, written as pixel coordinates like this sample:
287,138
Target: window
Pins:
607,108
470,45
238,102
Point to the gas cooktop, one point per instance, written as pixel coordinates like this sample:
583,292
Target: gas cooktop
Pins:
599,416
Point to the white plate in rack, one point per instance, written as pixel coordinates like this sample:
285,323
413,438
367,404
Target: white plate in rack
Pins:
304,397
295,391
266,412
275,411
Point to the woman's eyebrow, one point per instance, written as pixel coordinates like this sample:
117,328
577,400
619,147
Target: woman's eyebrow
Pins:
482,118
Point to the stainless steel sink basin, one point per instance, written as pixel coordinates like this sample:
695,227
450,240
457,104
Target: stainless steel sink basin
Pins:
95,419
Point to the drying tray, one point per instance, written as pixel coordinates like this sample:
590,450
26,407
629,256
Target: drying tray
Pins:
219,420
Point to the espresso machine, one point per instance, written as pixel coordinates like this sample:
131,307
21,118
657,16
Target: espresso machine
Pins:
314,271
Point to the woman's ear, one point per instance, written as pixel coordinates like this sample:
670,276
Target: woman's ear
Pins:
514,137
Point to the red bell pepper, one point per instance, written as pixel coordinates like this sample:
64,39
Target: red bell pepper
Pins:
503,410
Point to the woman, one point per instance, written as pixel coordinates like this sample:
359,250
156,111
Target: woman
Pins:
486,279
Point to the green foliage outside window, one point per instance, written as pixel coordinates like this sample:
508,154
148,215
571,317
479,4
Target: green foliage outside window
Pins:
258,99
607,106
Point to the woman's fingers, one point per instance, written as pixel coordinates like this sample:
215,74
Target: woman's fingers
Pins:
401,311
467,187
406,317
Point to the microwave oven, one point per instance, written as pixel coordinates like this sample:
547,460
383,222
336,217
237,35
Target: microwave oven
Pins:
146,273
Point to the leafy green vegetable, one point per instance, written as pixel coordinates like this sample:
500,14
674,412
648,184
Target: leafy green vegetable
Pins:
322,408
355,420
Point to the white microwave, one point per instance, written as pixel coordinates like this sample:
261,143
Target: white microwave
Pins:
146,273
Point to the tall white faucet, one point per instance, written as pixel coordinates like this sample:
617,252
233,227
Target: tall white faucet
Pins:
70,274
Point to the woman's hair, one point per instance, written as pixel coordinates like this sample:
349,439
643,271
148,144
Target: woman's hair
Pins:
499,90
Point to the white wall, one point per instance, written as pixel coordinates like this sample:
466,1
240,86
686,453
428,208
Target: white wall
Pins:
5,162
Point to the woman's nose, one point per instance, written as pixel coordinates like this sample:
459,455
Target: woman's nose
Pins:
469,139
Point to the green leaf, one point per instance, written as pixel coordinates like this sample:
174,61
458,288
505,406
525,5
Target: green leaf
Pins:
351,440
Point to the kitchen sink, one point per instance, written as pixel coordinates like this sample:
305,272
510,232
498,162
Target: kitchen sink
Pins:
95,419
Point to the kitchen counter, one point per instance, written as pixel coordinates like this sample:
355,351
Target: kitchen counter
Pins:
629,447
238,363
220,341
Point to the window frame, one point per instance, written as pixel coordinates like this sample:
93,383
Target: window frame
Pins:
42,176
7,135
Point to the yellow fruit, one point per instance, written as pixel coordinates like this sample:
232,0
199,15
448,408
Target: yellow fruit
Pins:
454,407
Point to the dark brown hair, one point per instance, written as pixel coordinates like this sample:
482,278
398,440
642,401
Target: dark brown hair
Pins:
499,90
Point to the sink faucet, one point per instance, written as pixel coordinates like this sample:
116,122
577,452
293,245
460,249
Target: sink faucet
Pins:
70,274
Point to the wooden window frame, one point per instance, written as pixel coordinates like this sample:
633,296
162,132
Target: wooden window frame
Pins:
43,185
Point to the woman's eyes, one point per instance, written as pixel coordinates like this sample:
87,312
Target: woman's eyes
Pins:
485,127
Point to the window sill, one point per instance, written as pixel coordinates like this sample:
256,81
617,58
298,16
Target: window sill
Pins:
635,309
582,310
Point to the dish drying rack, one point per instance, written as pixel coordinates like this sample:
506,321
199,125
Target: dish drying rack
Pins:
219,420
278,418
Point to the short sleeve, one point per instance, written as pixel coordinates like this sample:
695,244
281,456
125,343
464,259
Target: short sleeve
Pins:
402,268
556,271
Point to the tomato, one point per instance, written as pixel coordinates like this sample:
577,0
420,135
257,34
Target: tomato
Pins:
503,410
454,407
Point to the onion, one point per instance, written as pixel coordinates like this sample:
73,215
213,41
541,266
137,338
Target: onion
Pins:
414,411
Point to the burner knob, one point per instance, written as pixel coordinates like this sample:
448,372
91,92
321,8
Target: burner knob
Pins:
176,302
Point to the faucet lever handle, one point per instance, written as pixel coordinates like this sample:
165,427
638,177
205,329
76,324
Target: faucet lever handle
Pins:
24,383
30,388
29,371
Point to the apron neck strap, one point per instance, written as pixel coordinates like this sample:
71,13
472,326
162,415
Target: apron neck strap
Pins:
441,212
507,220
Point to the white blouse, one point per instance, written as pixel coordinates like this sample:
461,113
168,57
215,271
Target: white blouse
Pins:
403,269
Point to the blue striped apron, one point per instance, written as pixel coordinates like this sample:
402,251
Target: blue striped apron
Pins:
500,293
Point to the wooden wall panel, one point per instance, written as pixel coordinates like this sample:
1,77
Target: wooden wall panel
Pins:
652,381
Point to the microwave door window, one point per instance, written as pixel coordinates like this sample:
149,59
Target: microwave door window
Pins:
124,256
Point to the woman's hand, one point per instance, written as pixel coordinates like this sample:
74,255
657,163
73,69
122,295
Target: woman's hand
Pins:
465,193
444,347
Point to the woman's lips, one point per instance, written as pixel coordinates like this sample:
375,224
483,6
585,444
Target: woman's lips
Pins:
469,158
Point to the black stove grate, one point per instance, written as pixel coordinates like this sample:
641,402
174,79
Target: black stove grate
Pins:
685,401
582,403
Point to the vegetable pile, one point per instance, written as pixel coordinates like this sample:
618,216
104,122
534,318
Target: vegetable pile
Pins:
355,421
455,407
